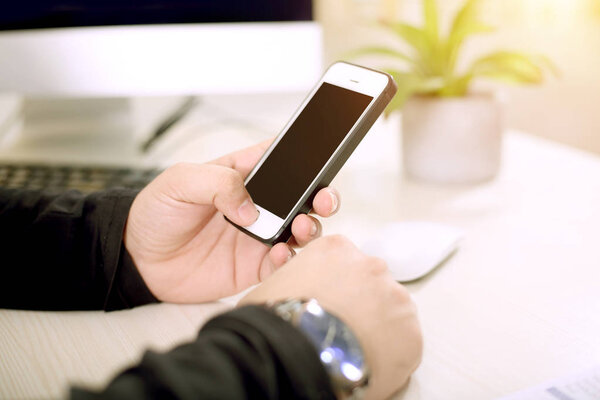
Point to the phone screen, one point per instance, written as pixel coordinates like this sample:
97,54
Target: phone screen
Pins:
305,148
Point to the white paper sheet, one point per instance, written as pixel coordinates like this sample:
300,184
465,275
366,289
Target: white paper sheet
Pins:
582,386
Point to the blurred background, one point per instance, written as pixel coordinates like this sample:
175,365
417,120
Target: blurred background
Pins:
111,83
565,109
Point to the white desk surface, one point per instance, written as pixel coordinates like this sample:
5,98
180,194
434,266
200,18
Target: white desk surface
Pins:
517,305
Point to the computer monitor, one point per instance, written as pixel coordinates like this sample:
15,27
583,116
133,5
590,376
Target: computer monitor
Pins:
159,47
76,64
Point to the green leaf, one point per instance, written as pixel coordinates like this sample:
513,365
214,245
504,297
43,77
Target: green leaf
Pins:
464,25
381,51
464,17
415,37
546,63
456,86
410,84
512,67
436,57
428,59
430,17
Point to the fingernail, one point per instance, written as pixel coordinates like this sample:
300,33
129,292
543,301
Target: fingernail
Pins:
290,255
248,211
313,229
334,202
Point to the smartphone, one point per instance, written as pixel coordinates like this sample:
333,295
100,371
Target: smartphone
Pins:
314,145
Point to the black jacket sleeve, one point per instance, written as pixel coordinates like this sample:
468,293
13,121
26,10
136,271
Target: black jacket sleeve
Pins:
64,251
247,353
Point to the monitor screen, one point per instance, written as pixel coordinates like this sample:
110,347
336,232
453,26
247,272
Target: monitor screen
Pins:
38,14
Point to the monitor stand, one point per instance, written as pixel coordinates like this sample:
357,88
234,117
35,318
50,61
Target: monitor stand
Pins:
99,131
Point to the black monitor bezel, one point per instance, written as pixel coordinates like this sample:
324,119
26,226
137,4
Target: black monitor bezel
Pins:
44,14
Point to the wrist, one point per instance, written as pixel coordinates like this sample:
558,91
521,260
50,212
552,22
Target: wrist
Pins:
338,348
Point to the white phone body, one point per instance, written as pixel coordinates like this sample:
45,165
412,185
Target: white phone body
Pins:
356,79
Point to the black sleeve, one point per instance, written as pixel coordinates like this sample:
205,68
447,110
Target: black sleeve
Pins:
65,252
247,353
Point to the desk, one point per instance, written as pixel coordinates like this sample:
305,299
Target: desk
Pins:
517,305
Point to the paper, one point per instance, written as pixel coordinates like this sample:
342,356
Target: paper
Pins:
583,386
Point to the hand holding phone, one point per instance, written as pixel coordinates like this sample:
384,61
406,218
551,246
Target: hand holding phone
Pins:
314,145
183,248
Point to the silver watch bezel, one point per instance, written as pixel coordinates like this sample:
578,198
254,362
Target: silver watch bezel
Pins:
291,310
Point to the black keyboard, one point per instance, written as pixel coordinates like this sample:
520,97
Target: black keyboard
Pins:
86,179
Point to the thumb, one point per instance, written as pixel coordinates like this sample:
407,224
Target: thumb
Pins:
209,184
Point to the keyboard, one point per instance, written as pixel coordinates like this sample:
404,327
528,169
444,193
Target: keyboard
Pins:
86,179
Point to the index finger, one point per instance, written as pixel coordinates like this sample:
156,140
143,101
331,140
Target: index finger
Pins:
244,160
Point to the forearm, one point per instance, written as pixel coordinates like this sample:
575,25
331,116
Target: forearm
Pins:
64,251
246,353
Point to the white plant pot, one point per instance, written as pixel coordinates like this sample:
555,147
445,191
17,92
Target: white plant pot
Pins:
452,140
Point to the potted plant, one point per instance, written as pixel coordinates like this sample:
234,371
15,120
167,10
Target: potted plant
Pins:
451,134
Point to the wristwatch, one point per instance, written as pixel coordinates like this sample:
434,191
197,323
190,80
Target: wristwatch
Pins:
339,349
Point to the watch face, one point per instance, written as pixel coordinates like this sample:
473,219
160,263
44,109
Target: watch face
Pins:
338,348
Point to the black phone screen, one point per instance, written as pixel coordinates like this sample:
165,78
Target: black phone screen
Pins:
305,148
